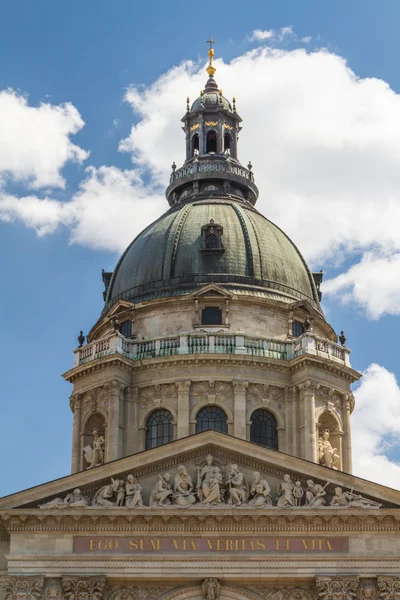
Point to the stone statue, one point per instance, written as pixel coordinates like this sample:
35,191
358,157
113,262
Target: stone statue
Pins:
210,588
161,494
284,497
106,496
133,492
209,483
298,493
120,493
315,494
237,486
328,456
183,488
95,455
260,491
348,499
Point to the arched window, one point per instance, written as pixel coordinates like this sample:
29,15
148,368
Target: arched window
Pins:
227,141
159,429
195,143
211,417
211,146
264,429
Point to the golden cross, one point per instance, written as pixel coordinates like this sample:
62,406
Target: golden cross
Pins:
211,42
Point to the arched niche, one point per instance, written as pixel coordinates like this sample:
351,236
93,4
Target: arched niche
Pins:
195,143
227,142
212,142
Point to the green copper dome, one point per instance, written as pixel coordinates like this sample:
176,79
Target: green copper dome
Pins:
168,258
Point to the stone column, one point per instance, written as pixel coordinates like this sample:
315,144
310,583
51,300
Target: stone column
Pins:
76,407
131,421
239,408
347,460
309,424
112,444
182,428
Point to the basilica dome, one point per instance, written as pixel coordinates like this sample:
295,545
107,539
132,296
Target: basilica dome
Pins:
170,257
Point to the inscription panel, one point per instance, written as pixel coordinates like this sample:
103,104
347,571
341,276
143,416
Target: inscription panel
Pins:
201,545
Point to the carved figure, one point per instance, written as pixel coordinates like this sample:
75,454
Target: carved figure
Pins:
260,491
367,592
120,493
328,456
285,496
161,494
133,492
106,495
298,493
210,587
95,455
238,487
209,483
349,499
183,488
315,494
74,499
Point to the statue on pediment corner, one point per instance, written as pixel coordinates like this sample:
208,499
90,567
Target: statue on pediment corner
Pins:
74,499
183,488
260,492
238,489
161,494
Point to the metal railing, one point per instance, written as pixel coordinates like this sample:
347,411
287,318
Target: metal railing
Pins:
215,165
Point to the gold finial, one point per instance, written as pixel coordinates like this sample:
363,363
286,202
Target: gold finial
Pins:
234,103
188,104
211,69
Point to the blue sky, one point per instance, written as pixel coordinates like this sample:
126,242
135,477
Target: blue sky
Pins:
105,59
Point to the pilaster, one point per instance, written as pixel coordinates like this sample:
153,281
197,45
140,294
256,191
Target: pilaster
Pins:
183,388
239,401
76,406
347,458
308,425
114,398
131,437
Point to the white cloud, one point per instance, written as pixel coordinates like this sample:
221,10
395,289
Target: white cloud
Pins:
376,427
35,141
306,39
260,35
324,143
373,283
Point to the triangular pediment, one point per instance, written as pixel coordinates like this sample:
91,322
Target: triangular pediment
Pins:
212,291
148,468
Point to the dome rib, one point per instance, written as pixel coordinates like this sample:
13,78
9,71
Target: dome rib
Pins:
185,212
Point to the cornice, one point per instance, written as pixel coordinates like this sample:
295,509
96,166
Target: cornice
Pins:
257,362
241,520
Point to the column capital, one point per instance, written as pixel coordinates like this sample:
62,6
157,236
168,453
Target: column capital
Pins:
83,588
240,387
345,588
388,587
183,387
115,388
23,588
75,401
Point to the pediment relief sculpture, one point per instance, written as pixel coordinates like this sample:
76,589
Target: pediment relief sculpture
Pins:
212,483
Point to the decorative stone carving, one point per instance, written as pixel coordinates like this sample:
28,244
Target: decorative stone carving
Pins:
315,494
83,588
367,591
74,499
133,492
209,483
22,588
348,499
183,488
238,489
161,494
328,456
337,588
94,455
210,588
389,588
298,493
260,491
298,594
285,496
107,495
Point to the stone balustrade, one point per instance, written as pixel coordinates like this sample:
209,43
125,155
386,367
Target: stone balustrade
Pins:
209,343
